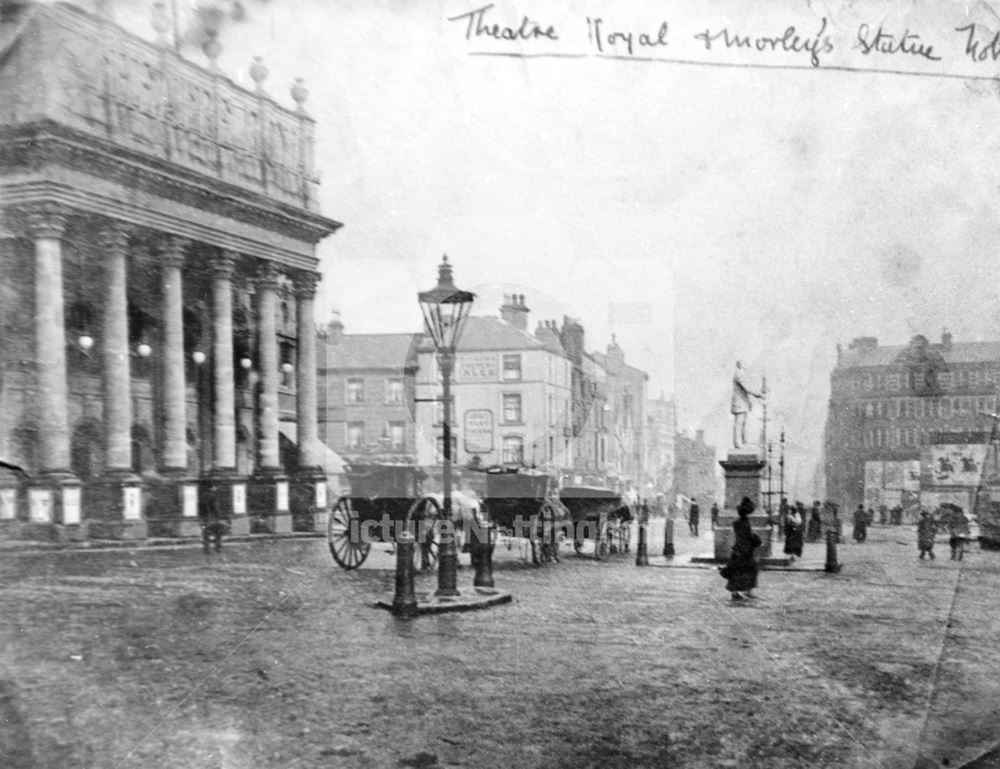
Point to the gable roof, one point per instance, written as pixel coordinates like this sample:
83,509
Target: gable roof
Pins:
372,351
483,333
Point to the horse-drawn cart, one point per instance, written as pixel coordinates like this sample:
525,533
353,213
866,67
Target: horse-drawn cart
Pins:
385,500
597,513
522,503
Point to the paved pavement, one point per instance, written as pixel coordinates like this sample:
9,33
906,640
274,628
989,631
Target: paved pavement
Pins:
271,656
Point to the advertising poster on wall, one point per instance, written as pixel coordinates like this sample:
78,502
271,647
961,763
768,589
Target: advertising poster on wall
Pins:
892,475
932,500
957,464
873,475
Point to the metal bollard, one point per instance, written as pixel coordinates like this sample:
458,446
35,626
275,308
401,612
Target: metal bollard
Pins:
668,538
832,567
641,554
404,602
482,554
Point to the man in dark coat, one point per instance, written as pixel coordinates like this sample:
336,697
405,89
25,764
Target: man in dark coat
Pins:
694,515
715,513
213,522
741,570
860,524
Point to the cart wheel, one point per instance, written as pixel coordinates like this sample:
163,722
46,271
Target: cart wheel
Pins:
347,553
424,513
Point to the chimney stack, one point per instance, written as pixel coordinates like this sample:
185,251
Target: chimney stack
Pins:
514,311
945,340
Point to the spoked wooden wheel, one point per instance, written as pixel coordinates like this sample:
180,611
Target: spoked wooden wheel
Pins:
343,536
424,515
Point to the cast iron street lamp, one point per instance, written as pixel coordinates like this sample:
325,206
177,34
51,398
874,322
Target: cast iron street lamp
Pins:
445,310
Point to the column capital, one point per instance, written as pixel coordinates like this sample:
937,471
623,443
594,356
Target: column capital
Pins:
173,250
114,237
305,284
46,220
224,264
267,275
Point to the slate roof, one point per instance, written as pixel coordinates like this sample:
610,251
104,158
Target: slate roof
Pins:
491,333
887,355
373,351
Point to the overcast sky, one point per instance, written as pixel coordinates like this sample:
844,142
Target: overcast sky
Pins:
701,213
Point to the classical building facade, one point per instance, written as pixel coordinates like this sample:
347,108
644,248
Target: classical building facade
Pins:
366,385
890,405
159,226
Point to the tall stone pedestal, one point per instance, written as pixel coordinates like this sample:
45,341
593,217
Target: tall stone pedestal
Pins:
743,474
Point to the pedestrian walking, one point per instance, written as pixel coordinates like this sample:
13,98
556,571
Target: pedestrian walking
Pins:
214,522
958,532
715,513
694,515
794,526
740,572
860,524
815,526
926,529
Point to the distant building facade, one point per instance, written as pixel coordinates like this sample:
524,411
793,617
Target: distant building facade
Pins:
695,468
893,411
661,432
366,390
158,226
625,392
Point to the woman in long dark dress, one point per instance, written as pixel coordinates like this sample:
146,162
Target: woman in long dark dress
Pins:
793,532
741,570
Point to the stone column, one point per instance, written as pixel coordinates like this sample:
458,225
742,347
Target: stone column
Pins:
46,227
267,286
115,354
308,432
224,411
174,398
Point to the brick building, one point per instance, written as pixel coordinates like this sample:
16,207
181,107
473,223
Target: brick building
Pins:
695,469
366,388
890,403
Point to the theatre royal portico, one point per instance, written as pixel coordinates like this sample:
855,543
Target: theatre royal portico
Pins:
157,245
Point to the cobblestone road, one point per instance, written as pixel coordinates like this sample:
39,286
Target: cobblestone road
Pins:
270,656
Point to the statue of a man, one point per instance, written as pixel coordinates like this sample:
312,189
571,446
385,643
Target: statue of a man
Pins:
742,406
